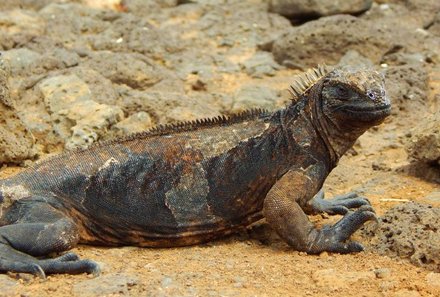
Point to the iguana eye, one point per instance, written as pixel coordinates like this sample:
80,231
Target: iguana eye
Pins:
341,91
371,95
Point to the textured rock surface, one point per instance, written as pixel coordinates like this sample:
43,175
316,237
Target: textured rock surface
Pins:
77,118
137,122
435,26
24,4
256,96
304,9
16,142
407,86
328,39
424,150
422,11
135,71
304,46
410,231
425,143
165,107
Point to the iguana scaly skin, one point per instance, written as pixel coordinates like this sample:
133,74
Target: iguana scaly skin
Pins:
193,182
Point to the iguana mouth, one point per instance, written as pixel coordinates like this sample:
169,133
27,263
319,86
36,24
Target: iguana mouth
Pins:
371,109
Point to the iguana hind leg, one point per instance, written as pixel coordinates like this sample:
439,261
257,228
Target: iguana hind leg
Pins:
37,229
283,211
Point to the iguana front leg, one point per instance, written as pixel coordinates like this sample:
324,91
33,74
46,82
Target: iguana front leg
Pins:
37,229
283,210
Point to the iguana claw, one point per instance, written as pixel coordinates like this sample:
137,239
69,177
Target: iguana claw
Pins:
334,238
338,205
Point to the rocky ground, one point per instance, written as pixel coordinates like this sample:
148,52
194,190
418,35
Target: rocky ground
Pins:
88,70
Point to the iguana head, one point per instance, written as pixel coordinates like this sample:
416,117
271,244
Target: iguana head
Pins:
354,98
344,102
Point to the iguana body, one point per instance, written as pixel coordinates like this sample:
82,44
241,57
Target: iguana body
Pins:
194,182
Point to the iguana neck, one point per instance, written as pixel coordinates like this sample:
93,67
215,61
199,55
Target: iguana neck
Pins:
337,139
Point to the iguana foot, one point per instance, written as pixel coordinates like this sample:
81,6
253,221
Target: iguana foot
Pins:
16,261
38,230
334,238
22,263
338,205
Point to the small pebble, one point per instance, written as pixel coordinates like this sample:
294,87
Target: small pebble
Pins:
382,273
323,255
433,279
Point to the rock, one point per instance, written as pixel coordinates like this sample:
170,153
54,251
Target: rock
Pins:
328,39
354,58
382,273
77,119
260,64
306,9
407,87
433,279
128,33
92,121
22,60
137,122
21,21
73,25
16,142
409,231
101,88
433,197
142,8
111,284
23,4
241,24
166,282
425,143
104,4
394,12
166,107
25,62
424,149
66,57
255,96
61,92
415,12
133,70
435,26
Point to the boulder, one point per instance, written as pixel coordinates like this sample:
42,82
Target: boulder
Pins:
306,9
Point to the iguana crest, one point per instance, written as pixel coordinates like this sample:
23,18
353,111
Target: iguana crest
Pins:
304,81
189,126
159,130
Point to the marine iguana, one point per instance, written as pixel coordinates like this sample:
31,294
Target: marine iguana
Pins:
192,182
